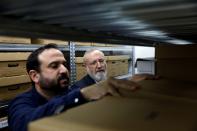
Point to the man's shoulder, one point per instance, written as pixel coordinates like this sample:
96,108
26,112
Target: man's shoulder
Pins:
87,78
85,81
23,96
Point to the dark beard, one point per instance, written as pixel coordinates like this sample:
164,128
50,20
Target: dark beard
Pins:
53,86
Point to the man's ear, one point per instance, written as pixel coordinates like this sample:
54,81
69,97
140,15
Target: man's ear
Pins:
34,75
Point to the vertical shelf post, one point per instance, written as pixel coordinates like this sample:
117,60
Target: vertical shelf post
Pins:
72,63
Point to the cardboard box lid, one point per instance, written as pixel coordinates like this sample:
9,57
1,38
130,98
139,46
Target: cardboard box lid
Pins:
11,39
158,112
176,51
6,81
14,56
118,57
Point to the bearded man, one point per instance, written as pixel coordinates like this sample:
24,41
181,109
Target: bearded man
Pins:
50,93
96,68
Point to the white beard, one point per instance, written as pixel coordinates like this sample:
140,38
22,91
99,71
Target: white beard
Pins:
99,76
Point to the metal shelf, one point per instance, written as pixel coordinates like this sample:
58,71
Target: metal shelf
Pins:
124,76
25,47
10,47
115,48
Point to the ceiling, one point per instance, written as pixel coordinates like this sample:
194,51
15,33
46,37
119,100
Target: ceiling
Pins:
130,22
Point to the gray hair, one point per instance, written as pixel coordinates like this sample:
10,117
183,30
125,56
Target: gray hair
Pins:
90,51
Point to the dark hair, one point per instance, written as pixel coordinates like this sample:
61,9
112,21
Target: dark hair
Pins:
33,62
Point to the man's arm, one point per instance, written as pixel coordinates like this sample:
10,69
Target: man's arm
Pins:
21,111
111,86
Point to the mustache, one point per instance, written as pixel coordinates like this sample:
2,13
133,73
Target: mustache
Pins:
101,70
63,77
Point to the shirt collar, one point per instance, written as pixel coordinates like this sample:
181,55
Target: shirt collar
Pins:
39,98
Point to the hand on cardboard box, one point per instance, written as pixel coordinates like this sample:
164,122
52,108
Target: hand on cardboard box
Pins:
110,86
140,77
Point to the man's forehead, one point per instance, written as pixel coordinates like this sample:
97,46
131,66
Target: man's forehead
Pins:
96,54
49,54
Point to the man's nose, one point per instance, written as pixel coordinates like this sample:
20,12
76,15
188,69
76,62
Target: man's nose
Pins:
63,69
98,64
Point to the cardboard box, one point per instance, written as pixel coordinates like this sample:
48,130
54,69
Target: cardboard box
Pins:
13,68
177,62
144,110
9,92
80,69
83,43
14,56
178,69
176,51
98,44
48,41
20,79
15,40
117,65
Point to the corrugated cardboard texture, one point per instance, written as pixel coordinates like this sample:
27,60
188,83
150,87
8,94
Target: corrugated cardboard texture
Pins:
83,43
48,41
178,69
13,56
166,106
12,68
7,81
116,65
176,51
9,92
15,40
177,62
80,71
98,44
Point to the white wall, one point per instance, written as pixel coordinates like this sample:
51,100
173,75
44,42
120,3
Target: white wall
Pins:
144,52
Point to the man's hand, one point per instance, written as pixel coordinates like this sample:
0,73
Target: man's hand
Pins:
140,77
111,86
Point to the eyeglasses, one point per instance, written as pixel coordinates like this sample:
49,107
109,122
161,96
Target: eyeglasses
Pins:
95,62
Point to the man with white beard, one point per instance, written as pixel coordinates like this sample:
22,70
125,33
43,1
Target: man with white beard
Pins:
96,67
50,93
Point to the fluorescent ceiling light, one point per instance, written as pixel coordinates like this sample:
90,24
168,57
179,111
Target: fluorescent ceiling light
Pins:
179,42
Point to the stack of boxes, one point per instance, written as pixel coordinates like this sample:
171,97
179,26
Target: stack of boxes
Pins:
177,62
13,76
116,66
169,103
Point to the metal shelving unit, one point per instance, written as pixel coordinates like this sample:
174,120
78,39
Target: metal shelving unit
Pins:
72,62
131,69
8,47
72,49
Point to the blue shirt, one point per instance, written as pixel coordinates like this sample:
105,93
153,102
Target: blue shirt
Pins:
31,106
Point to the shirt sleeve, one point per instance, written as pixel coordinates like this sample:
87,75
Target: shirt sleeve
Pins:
21,111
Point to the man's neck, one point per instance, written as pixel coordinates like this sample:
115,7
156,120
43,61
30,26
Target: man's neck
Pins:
46,94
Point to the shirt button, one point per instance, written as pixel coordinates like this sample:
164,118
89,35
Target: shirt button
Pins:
76,100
